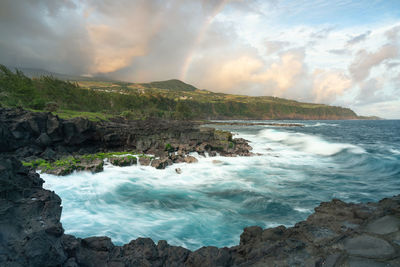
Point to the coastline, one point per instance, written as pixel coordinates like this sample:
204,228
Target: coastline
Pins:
336,234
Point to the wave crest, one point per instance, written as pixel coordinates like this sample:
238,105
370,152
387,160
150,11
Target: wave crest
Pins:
310,144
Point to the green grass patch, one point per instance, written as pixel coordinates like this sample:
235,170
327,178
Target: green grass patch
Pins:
93,116
76,162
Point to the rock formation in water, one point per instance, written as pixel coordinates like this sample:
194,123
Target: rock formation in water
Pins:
337,234
31,135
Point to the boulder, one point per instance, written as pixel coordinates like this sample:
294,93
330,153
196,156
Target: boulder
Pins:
161,163
144,161
368,246
190,159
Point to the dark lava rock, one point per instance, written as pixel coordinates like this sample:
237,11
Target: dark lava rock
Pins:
26,134
30,227
161,163
31,235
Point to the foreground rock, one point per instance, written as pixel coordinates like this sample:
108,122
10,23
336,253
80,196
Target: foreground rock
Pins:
337,234
33,135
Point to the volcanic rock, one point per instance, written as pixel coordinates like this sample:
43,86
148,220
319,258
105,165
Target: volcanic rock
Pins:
32,235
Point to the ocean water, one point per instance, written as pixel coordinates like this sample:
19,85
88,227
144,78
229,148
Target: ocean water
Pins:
213,200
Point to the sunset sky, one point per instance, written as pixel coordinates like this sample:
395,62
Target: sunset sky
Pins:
337,52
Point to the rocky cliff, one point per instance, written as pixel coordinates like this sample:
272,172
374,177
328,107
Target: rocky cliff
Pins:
30,135
337,234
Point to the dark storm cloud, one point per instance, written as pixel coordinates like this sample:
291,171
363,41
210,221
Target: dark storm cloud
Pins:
42,34
141,39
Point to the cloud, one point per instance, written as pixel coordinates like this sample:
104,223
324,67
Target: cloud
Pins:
328,85
364,61
284,73
276,46
322,34
387,109
358,38
247,73
393,33
339,51
43,34
371,92
232,46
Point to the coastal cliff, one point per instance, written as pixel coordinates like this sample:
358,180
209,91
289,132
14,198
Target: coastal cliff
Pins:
337,234
40,135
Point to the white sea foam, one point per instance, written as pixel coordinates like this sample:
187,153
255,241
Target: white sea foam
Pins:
394,151
303,210
318,124
309,143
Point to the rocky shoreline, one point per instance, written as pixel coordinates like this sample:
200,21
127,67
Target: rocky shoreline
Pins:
39,136
31,234
337,234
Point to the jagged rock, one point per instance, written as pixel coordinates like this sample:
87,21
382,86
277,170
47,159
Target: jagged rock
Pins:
32,235
123,161
178,170
368,246
212,153
93,166
27,134
384,225
49,154
30,227
176,158
161,163
144,161
43,140
190,159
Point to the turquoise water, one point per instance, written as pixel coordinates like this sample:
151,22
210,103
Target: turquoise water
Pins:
213,200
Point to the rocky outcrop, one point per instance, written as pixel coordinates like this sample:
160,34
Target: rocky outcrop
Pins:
123,161
31,135
92,165
337,234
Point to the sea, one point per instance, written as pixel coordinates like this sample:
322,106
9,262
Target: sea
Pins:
212,201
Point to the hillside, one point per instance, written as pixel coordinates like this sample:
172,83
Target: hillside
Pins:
170,99
173,85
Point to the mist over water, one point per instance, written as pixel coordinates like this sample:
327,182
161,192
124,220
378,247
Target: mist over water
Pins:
213,200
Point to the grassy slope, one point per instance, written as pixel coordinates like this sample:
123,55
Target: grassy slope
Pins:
171,99
219,105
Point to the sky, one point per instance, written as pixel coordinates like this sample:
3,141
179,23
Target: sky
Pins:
336,52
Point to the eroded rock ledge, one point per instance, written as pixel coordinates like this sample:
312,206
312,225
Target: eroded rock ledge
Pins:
38,135
337,234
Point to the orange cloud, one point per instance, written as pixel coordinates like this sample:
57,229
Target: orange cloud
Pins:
283,73
327,85
113,49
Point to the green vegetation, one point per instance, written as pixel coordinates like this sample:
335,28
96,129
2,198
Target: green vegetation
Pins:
173,99
173,85
169,148
123,161
70,164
